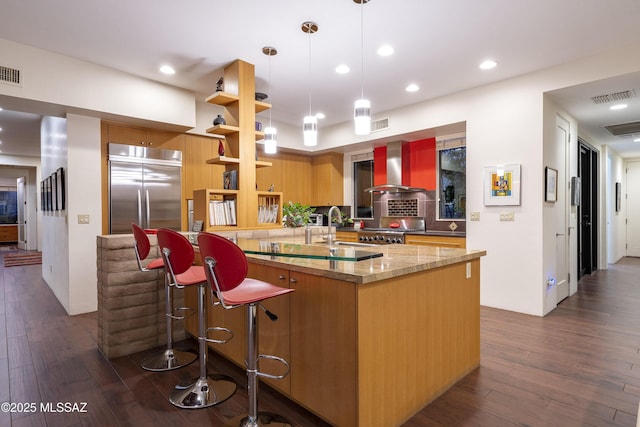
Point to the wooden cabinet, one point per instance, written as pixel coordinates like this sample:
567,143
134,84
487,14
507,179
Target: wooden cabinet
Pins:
130,135
445,241
346,236
323,347
8,233
328,180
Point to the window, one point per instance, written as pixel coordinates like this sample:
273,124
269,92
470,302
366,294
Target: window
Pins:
452,186
8,206
362,179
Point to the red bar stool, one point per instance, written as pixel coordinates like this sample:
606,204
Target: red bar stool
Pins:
206,390
170,358
226,269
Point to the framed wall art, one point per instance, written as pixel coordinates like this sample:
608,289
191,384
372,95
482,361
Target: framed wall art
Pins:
502,185
60,189
618,196
550,184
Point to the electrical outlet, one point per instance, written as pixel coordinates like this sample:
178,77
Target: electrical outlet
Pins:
83,219
506,216
475,216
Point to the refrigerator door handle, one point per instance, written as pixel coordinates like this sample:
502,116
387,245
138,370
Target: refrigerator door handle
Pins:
148,216
139,209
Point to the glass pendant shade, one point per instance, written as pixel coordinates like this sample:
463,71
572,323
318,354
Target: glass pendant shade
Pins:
362,117
310,131
270,140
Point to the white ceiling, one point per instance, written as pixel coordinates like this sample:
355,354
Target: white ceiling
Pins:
438,45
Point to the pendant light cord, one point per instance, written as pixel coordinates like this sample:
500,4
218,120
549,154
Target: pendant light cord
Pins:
362,46
270,91
309,82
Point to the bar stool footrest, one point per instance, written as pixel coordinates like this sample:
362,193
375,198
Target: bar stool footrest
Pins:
174,317
218,329
277,359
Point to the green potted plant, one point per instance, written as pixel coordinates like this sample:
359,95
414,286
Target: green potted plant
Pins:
343,221
296,214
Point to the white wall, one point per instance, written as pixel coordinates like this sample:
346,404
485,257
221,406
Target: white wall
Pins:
55,235
616,225
83,183
69,248
93,90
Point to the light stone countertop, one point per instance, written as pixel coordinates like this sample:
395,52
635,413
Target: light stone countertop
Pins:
397,260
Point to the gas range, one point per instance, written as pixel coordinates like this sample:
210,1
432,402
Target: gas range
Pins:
391,231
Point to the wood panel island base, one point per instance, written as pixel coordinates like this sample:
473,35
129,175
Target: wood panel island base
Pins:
371,342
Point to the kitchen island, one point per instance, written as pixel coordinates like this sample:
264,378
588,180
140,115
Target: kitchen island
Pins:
369,342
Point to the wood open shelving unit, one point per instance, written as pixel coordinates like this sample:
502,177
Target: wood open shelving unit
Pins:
239,136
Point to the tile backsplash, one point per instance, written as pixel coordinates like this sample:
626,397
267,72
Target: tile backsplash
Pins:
402,207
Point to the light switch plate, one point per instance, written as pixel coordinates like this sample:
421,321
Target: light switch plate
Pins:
475,216
506,216
83,219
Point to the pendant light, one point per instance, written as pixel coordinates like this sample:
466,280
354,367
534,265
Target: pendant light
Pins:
310,124
362,110
270,133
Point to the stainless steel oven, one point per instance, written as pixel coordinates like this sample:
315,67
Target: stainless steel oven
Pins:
392,230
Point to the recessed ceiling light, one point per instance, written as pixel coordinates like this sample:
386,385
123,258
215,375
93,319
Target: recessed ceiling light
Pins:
412,88
385,50
636,140
167,69
618,107
342,69
320,116
488,64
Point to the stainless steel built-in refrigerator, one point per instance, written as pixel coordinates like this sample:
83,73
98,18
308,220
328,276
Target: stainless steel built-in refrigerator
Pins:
144,188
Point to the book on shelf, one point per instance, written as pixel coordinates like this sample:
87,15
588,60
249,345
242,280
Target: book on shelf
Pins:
230,179
268,214
222,212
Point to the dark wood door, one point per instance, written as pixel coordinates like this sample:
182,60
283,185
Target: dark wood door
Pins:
587,210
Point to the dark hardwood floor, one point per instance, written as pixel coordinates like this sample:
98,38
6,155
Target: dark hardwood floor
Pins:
578,366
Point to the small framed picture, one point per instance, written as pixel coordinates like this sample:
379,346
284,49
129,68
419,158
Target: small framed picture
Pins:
550,184
60,188
502,185
618,196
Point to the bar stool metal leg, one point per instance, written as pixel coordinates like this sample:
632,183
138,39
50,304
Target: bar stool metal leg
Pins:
206,390
255,418
170,358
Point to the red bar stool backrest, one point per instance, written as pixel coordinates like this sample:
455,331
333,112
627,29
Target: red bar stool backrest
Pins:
231,265
180,250
142,241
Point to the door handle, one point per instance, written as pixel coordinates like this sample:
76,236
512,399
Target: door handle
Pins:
139,208
559,234
148,217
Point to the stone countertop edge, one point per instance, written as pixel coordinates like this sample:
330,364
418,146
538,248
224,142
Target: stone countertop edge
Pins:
405,259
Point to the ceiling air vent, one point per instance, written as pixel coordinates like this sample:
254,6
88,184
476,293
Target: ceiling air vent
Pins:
379,125
10,76
624,128
613,97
